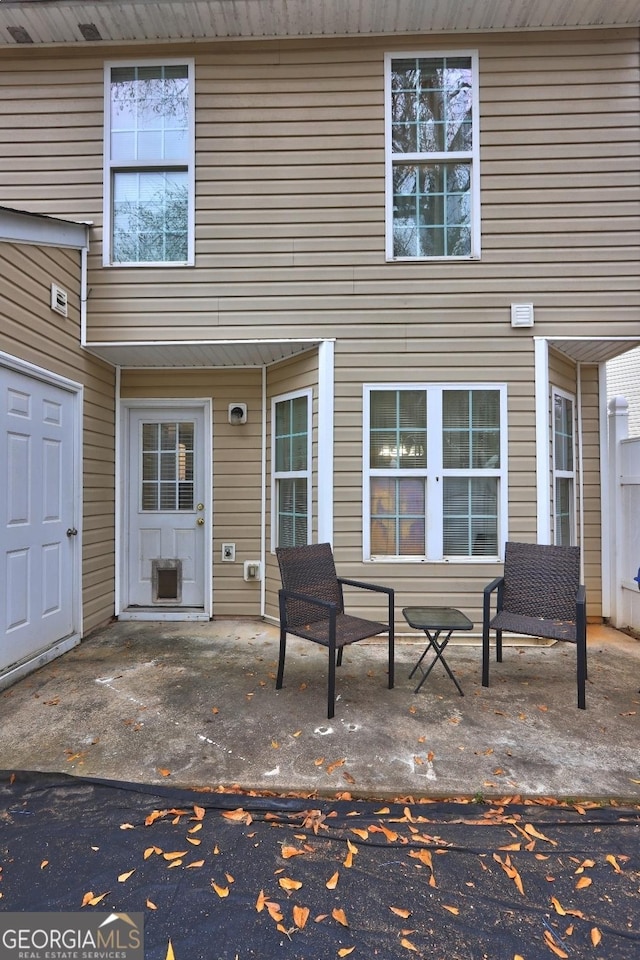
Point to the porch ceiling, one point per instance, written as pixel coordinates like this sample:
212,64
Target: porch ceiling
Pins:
585,350
222,353
40,22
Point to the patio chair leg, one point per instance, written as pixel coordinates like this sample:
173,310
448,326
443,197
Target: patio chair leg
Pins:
392,656
340,652
582,672
499,646
485,654
283,646
331,703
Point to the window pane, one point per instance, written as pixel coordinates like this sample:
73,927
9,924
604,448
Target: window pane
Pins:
398,429
291,439
398,518
431,104
432,210
149,113
470,516
471,429
150,216
563,432
292,512
167,466
564,511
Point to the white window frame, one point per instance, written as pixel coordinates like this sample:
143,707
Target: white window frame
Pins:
110,166
277,475
558,474
472,156
434,472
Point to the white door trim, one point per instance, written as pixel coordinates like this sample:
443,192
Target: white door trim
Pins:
124,405
76,392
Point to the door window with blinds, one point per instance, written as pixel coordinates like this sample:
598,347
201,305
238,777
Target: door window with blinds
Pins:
291,457
564,481
167,466
435,477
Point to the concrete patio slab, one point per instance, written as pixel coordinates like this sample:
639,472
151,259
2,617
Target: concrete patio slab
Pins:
195,705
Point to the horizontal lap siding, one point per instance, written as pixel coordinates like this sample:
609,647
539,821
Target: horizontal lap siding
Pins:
32,332
290,228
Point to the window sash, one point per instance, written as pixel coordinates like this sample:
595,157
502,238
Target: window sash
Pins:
450,502
149,163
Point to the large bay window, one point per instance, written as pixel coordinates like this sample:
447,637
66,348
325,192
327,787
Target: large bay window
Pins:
435,479
291,473
149,147
432,156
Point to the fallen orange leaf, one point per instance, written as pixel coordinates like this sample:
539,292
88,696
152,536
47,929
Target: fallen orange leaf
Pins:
239,815
596,936
151,850
273,910
175,854
151,905
288,852
408,945
453,910
288,884
363,834
221,891
405,914
345,951
163,771
261,901
550,942
336,763
170,954
614,863
332,883
300,916
196,863
199,812
583,882
125,876
340,916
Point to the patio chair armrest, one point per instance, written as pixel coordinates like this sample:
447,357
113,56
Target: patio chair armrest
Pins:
366,586
498,585
327,605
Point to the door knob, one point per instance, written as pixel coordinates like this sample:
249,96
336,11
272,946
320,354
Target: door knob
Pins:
200,521
72,532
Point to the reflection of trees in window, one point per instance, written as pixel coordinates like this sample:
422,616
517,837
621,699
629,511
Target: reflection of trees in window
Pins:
432,116
150,217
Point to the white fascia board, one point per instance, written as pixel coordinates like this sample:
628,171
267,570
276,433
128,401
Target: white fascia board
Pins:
17,226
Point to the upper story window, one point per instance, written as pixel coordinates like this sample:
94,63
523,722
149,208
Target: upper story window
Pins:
432,156
564,471
291,469
435,472
149,146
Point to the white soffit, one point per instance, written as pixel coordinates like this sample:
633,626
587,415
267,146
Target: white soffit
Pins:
584,350
29,22
223,353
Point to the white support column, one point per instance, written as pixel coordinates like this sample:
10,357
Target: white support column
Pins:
542,439
618,431
324,478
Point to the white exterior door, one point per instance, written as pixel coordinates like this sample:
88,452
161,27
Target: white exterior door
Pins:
167,527
40,504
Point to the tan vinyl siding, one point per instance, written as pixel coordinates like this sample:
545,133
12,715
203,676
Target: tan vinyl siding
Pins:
236,482
32,332
290,242
592,491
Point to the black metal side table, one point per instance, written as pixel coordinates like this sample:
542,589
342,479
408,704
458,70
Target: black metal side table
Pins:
436,621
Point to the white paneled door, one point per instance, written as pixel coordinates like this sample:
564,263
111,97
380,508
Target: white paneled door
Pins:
167,523
39,505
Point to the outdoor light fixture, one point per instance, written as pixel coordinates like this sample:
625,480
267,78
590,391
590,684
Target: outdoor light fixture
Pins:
237,413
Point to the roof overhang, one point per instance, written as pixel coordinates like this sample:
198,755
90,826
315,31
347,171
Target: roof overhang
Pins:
203,354
593,349
18,226
29,23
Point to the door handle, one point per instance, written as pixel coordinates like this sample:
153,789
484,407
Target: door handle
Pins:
200,521
72,532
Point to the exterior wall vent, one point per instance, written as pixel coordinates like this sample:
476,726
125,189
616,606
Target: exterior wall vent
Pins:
59,300
521,314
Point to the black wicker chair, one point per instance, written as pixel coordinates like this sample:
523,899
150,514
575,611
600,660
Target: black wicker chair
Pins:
312,607
539,595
